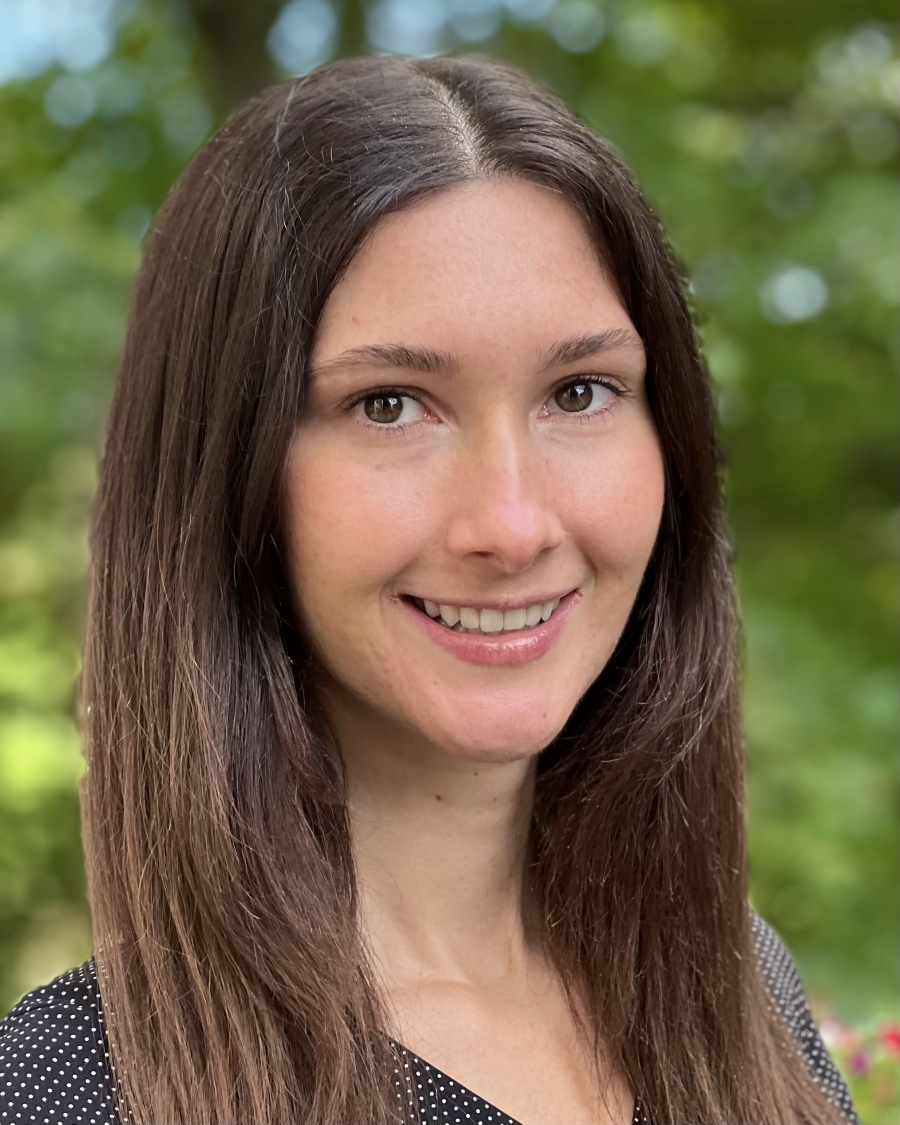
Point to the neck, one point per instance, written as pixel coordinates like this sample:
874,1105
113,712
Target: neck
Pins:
439,844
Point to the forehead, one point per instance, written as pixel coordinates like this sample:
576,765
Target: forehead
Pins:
478,268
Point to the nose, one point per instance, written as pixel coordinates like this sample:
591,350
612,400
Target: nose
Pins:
503,501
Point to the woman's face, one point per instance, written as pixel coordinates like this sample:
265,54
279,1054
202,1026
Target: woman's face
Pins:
476,437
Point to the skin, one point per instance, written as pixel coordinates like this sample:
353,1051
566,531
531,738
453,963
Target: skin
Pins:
484,492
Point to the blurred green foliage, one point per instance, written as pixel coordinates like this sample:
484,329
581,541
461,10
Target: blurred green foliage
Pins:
765,135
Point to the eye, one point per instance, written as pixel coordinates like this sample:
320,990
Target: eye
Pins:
383,408
389,406
579,395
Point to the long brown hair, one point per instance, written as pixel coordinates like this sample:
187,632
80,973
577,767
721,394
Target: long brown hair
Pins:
234,979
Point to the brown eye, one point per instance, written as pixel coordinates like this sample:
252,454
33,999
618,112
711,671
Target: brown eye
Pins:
383,408
575,396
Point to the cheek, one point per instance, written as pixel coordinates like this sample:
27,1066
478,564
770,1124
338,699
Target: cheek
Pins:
349,527
615,514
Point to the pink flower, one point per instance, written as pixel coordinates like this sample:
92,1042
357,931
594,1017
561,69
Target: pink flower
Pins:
837,1036
859,1063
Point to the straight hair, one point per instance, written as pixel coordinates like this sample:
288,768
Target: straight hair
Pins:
235,980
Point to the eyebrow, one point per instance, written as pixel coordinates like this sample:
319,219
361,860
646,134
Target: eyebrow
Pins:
445,363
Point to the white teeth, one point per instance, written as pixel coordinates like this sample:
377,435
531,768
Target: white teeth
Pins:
491,621
533,614
470,618
514,619
465,619
449,615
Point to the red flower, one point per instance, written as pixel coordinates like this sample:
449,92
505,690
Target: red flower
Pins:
889,1037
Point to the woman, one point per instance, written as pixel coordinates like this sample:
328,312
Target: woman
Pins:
410,699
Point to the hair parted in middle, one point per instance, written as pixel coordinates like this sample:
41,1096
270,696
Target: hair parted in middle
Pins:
235,981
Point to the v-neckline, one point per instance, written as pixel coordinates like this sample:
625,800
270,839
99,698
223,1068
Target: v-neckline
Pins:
417,1098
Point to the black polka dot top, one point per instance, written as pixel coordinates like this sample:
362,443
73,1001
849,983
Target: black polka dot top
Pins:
55,1067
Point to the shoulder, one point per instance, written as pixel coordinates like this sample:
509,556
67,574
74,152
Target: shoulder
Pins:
53,1057
780,974
788,997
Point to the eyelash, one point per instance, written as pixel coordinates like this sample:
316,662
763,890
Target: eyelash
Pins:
404,392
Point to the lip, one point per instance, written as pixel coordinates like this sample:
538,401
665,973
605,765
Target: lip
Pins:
519,647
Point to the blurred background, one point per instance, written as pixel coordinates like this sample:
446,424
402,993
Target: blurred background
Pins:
765,134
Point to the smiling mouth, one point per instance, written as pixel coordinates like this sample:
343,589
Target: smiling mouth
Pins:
487,622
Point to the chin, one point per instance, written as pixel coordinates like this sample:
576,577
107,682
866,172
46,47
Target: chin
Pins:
497,743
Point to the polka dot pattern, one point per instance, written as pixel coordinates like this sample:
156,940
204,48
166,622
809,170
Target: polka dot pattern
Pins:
55,1066
427,1096
786,993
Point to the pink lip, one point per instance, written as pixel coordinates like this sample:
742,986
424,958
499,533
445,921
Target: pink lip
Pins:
519,647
